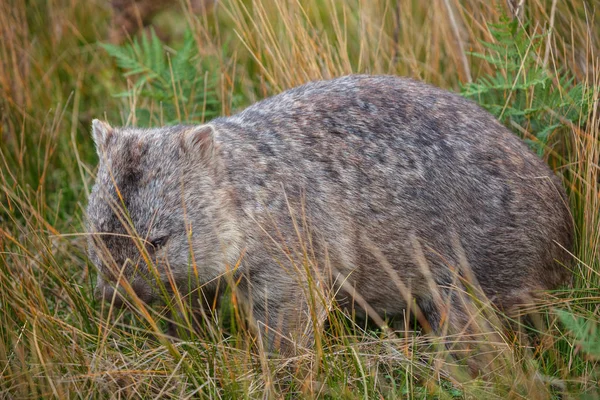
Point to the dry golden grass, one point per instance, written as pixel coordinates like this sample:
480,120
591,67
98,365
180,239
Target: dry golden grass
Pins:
56,341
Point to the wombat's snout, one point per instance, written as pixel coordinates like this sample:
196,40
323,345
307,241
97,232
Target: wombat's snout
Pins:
105,291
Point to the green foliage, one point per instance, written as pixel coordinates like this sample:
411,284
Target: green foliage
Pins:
522,90
173,86
585,330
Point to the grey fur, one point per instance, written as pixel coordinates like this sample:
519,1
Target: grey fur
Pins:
373,169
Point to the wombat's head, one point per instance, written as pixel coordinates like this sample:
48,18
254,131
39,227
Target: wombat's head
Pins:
154,210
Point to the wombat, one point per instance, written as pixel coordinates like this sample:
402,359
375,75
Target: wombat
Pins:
393,189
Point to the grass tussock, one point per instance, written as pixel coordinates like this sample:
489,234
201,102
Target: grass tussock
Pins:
56,76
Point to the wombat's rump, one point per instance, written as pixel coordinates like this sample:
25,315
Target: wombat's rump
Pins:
386,183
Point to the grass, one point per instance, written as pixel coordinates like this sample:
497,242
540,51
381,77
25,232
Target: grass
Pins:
55,77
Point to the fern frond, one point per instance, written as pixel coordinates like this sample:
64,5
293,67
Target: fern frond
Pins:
521,91
172,80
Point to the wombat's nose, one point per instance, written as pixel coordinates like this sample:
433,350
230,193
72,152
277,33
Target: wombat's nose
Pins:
104,292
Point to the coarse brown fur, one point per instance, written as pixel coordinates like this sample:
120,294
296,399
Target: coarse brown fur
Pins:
394,183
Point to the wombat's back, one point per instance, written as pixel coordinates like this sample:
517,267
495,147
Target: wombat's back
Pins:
382,161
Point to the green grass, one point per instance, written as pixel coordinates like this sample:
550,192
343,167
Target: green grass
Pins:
57,74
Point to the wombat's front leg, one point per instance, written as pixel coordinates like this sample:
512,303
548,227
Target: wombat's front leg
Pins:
282,318
203,302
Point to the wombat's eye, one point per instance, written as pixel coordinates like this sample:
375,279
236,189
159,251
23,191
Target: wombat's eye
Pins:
159,242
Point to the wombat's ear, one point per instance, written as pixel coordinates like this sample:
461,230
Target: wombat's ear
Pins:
200,140
101,132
